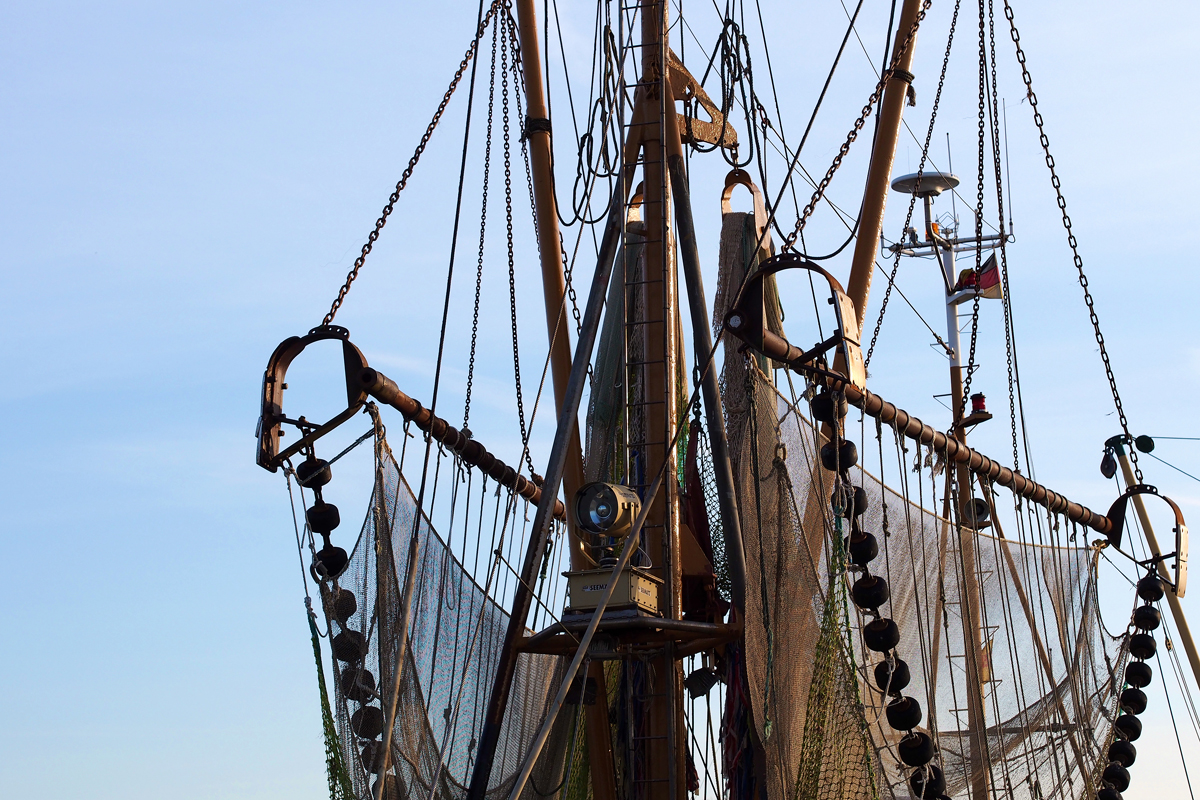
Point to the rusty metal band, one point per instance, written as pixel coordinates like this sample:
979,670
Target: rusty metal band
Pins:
875,406
385,390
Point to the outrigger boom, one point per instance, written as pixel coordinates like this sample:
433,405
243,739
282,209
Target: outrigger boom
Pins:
776,347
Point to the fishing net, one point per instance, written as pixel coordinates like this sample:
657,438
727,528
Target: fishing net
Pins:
1045,662
455,635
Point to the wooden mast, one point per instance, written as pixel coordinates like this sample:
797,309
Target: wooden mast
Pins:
970,599
891,112
663,743
537,130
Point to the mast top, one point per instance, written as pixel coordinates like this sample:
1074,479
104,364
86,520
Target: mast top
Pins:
932,183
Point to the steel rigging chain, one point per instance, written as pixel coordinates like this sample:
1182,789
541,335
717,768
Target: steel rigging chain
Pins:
1074,244
412,162
937,99
487,172
998,167
819,193
970,369
515,41
509,47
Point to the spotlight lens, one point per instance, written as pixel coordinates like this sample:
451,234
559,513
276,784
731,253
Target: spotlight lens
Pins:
601,510
605,510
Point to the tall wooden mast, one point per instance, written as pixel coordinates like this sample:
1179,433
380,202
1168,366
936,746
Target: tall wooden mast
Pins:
652,415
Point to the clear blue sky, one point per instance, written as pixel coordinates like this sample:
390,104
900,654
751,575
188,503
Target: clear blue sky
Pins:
185,184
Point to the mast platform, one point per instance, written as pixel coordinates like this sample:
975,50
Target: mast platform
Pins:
627,633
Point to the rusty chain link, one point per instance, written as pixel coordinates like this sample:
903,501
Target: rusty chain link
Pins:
487,173
510,49
518,86
1074,244
998,167
819,193
979,192
412,164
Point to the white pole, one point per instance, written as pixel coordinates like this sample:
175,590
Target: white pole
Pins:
946,259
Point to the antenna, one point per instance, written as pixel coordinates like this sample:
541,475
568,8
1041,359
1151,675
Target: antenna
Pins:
1007,169
950,166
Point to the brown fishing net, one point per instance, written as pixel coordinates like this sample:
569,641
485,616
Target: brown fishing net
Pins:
1045,660
455,633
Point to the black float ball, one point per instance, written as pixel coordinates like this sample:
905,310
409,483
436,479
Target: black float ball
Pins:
323,517
344,605
1150,589
1133,701
829,407
1122,752
372,757
870,592
892,677
904,713
854,501
864,547
861,501
367,722
391,788
829,459
329,562
839,455
357,684
349,646
1109,793
1146,618
1141,645
1117,775
1138,674
928,781
881,635
313,473
916,749
847,454
1128,727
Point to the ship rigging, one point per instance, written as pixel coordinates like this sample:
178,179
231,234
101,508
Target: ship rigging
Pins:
724,581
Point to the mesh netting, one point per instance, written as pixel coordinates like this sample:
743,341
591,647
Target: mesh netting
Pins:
1046,663
455,637
1047,707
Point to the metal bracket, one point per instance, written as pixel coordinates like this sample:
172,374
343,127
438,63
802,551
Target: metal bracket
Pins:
685,87
1116,513
747,321
272,417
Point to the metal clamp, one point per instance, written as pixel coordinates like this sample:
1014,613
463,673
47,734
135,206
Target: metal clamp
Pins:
272,417
747,321
1116,513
